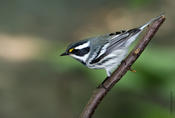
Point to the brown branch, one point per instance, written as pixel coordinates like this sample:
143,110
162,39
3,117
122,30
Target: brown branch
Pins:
108,83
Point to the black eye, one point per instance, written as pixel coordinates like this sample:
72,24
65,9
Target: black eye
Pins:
81,52
75,51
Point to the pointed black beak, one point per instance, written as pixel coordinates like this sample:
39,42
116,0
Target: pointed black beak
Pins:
64,54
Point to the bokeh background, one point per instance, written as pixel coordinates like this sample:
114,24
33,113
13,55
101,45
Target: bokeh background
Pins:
35,82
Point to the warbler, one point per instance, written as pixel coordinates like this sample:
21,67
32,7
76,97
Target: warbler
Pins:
105,51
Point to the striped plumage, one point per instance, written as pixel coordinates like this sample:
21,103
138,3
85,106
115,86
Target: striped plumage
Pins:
106,51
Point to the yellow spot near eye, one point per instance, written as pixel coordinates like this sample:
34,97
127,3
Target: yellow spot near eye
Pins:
70,50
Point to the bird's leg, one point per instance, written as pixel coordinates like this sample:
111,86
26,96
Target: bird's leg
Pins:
132,70
123,62
108,73
102,84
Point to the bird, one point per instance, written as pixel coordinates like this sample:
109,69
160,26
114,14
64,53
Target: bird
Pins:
105,51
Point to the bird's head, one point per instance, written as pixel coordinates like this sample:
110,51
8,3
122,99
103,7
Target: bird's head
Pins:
79,50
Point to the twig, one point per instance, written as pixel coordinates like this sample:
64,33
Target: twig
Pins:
108,83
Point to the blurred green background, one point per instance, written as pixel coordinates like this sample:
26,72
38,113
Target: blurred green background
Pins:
35,82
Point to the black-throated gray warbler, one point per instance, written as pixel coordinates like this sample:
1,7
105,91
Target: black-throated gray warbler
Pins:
106,51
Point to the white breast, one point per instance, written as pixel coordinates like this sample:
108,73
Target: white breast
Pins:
115,59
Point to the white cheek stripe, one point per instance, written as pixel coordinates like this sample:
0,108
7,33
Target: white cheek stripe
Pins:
83,45
83,58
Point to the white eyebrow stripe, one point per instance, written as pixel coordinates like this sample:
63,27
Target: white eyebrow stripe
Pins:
83,45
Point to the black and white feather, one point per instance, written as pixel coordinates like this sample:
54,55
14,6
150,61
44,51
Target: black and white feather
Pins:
106,51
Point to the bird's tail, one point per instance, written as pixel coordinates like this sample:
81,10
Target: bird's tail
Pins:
151,21
137,32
